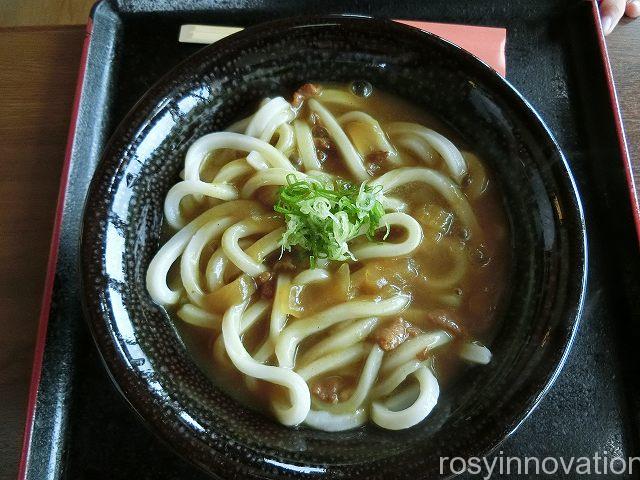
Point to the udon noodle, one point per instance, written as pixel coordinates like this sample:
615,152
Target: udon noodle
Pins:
362,315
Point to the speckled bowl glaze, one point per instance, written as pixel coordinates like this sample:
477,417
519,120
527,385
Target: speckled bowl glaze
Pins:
143,351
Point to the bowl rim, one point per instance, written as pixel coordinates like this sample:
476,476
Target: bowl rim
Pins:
149,100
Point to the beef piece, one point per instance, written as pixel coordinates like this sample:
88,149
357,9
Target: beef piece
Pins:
285,264
328,389
305,91
266,283
392,334
375,162
443,320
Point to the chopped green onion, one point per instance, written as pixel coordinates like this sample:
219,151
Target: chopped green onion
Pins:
323,216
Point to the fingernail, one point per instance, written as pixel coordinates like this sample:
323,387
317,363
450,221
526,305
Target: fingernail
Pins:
606,25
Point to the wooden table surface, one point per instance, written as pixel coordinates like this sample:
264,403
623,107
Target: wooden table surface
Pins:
38,68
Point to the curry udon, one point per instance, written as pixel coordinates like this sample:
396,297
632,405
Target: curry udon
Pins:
334,258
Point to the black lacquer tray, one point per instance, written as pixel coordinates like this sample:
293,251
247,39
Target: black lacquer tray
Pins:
80,427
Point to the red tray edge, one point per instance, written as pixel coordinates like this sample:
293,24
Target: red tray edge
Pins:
43,321
626,158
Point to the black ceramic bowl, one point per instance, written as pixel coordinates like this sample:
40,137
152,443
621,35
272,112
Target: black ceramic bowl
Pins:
123,219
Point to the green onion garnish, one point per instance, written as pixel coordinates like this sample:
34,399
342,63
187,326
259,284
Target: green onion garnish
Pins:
323,216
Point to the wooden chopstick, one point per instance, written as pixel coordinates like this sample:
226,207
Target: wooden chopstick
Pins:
205,33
